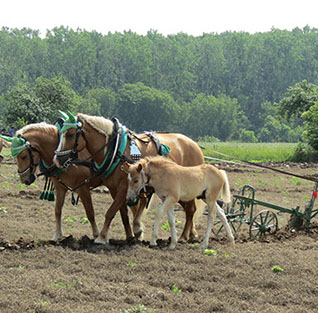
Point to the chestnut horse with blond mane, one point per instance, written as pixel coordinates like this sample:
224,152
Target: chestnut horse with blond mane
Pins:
174,183
41,141
96,134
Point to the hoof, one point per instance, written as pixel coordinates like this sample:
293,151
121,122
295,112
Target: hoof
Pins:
56,237
182,240
172,246
100,241
153,244
139,235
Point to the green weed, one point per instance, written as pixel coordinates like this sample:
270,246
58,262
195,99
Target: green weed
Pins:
3,210
176,290
84,220
165,226
70,219
139,308
277,269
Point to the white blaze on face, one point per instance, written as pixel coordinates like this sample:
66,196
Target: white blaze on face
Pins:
59,148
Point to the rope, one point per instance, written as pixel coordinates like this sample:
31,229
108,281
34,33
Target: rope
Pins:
268,168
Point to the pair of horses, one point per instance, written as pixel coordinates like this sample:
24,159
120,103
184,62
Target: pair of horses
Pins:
92,136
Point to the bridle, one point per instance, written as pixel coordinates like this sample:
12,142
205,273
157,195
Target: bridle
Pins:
32,167
67,157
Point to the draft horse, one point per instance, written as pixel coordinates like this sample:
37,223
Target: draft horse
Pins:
98,134
173,183
35,146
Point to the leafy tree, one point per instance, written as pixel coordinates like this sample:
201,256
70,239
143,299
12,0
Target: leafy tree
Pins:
40,101
144,108
208,115
99,101
298,99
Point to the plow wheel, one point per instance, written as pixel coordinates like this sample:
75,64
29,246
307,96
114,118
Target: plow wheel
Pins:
265,222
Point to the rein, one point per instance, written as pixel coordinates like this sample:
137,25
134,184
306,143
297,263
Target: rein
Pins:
269,168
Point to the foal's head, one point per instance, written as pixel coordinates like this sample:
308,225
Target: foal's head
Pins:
137,179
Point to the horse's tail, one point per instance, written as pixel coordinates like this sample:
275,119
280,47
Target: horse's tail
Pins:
226,192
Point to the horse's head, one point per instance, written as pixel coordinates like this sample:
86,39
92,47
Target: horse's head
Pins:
137,179
72,141
27,157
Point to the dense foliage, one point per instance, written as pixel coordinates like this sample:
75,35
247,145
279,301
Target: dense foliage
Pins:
217,85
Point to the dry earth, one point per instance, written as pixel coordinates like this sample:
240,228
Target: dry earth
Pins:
74,275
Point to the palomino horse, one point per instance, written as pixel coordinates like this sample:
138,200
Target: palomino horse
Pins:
97,134
173,183
38,143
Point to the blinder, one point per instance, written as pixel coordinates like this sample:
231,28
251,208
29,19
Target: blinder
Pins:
32,167
67,157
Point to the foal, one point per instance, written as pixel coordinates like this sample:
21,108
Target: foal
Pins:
174,183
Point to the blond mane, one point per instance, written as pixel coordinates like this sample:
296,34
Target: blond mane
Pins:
43,127
99,123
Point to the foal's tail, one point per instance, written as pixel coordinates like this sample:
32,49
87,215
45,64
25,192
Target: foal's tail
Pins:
226,192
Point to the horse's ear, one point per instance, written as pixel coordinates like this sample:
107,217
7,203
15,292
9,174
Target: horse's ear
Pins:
125,167
139,168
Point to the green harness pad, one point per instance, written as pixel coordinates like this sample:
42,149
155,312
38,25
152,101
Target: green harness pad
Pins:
164,150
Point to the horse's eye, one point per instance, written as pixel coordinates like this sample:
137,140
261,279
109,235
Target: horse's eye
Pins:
24,158
69,135
135,181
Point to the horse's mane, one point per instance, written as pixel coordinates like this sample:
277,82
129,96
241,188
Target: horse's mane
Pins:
42,127
99,123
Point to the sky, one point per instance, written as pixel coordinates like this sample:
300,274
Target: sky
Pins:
164,16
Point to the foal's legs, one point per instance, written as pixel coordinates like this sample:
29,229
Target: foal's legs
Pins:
225,223
85,195
167,203
211,217
172,223
59,202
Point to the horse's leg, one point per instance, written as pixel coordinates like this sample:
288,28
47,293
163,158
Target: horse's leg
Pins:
59,202
221,215
85,195
119,203
211,217
189,230
167,203
137,223
172,223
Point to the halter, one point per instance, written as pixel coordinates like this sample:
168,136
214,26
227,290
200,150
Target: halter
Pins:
68,157
145,183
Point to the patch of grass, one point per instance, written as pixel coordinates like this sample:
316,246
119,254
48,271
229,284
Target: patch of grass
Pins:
253,152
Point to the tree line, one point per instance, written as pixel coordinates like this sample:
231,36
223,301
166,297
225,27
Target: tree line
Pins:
227,86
